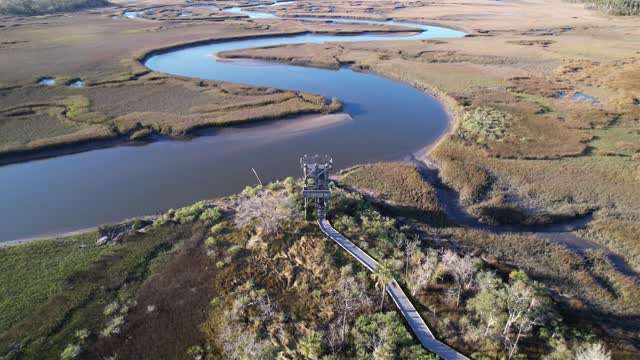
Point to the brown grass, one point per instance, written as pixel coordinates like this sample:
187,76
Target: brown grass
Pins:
180,292
399,184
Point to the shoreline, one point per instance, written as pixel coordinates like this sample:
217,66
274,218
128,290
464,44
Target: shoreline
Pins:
291,127
18,156
47,237
37,154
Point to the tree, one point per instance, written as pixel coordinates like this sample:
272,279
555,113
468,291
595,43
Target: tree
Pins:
240,343
351,297
266,307
597,351
383,336
383,276
462,268
266,211
526,307
410,249
509,312
490,312
423,273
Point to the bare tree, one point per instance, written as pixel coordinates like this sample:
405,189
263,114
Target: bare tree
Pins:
462,268
266,211
351,297
422,274
266,307
410,249
526,308
597,351
241,343
335,340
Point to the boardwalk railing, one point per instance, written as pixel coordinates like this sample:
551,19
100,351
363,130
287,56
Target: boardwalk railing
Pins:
417,324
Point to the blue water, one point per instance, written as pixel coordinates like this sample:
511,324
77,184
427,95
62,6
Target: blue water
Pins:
76,83
391,121
202,6
136,14
580,97
47,81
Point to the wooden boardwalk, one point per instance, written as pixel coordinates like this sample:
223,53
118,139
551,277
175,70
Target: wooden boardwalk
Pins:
417,324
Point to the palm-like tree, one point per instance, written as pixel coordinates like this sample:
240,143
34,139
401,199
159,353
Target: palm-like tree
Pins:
383,276
311,345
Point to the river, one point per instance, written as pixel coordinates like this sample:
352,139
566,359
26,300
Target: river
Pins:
390,121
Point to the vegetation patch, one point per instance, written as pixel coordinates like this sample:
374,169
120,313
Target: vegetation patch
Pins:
39,7
402,185
55,288
622,236
484,124
616,7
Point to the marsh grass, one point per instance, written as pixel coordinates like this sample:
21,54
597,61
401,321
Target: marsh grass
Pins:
619,235
136,105
40,7
55,287
617,7
400,184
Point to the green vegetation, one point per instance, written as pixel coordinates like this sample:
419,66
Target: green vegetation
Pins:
555,266
40,7
134,106
394,341
484,124
255,280
57,289
617,7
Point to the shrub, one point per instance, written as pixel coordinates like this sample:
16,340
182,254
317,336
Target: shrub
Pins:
251,191
387,334
267,212
484,124
593,352
113,326
111,308
72,351
216,229
82,334
211,215
290,184
190,213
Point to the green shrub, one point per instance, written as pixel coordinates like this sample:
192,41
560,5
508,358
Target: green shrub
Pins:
217,229
211,215
189,214
72,351
290,184
113,326
484,124
111,308
251,191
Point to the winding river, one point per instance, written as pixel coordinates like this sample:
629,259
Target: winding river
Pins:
390,121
